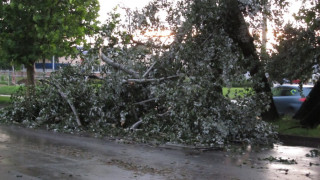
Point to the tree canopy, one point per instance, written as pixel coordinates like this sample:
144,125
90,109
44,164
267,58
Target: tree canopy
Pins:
298,57
297,54
33,30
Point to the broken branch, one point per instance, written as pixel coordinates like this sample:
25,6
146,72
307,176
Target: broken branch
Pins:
107,60
65,97
147,72
150,80
145,101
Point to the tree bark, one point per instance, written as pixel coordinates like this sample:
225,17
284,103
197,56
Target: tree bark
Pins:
309,113
65,97
44,66
237,29
73,108
30,74
105,59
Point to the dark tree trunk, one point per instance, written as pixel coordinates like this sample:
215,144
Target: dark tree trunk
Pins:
44,65
30,74
309,113
237,29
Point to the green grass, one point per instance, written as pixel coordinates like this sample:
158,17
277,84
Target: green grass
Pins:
4,99
236,92
289,126
8,90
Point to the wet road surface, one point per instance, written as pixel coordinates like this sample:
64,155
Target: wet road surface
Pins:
37,154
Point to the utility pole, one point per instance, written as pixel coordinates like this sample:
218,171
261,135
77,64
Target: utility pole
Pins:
53,68
264,24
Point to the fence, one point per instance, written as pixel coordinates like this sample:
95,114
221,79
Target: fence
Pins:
10,77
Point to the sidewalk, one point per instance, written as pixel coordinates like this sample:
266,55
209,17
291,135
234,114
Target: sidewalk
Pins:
5,95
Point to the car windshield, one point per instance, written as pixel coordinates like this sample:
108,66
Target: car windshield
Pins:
290,91
306,91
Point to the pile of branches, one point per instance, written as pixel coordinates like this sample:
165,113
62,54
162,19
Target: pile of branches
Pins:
174,108
154,89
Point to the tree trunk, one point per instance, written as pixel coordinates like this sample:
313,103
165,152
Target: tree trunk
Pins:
309,113
30,74
237,30
44,67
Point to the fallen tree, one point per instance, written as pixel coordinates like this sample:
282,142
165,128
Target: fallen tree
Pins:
171,92
237,29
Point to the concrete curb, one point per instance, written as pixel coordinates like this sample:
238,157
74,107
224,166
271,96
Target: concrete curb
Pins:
299,141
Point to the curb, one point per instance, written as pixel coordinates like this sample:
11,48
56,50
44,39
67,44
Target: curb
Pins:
292,140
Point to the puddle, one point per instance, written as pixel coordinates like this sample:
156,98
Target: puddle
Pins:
3,137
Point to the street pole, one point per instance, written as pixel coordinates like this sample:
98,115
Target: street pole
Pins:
53,68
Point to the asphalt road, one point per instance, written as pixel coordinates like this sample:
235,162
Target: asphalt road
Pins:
37,154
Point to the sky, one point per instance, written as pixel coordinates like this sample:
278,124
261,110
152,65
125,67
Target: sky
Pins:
107,6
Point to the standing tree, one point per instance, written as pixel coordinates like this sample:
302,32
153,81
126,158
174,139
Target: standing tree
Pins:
33,30
236,27
297,57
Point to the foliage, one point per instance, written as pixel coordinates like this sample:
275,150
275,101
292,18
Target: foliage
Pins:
297,55
289,126
280,160
32,30
174,87
313,153
106,104
234,93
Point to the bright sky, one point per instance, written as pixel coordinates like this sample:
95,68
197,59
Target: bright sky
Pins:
294,8
107,6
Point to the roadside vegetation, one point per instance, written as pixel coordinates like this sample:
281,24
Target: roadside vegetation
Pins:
4,100
231,93
237,92
170,88
289,126
8,90
148,111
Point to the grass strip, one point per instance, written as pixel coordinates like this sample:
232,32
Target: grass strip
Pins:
288,126
8,90
4,100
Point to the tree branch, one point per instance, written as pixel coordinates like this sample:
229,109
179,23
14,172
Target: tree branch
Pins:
65,97
135,125
145,101
110,62
147,72
150,80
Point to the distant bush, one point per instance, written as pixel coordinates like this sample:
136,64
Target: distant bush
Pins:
244,83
